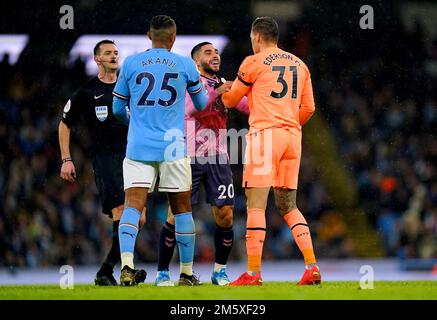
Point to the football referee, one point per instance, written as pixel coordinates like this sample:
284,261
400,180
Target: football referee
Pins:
91,105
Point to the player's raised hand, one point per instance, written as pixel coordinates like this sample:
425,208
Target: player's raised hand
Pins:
225,87
68,171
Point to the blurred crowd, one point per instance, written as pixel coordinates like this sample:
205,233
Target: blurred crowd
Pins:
382,111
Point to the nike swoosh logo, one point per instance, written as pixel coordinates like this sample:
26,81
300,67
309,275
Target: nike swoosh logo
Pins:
96,97
186,244
130,234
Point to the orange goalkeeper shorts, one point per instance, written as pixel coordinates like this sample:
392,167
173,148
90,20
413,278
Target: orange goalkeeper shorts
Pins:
272,158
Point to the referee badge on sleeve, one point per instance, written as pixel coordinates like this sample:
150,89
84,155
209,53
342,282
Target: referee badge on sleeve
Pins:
101,112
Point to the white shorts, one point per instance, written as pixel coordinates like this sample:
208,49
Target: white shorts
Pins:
174,176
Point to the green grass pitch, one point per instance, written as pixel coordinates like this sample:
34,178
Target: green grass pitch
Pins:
386,290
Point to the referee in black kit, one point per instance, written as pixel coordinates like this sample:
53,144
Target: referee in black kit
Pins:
91,105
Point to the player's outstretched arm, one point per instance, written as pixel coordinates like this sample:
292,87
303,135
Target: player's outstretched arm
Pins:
119,109
243,106
199,95
238,90
242,84
195,87
121,94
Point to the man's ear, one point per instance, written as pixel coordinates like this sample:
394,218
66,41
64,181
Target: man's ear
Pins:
197,62
149,35
97,60
173,37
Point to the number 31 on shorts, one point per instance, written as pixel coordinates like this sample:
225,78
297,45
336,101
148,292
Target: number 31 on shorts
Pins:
226,192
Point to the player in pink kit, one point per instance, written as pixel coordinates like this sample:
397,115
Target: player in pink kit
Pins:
207,147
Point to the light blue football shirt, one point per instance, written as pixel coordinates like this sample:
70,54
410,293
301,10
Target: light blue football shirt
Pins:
155,82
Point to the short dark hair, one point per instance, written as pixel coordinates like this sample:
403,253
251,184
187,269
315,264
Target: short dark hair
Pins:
267,27
197,47
97,46
159,25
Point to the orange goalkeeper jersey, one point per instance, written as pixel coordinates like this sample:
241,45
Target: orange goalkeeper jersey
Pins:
278,87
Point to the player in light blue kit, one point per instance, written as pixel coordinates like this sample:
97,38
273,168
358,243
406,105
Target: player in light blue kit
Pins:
155,82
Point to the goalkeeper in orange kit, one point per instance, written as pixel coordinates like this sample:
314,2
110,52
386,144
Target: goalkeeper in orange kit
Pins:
280,96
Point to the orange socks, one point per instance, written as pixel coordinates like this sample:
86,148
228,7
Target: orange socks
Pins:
301,234
255,235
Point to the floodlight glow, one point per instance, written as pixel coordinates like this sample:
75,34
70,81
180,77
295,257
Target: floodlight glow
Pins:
13,44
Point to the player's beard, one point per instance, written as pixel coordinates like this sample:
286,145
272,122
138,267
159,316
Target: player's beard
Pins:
208,69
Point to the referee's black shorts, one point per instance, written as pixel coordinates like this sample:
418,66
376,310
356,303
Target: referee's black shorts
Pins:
108,173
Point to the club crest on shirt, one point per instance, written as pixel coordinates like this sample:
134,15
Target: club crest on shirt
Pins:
101,112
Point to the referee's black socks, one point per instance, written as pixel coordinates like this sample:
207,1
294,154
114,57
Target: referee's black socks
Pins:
114,254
